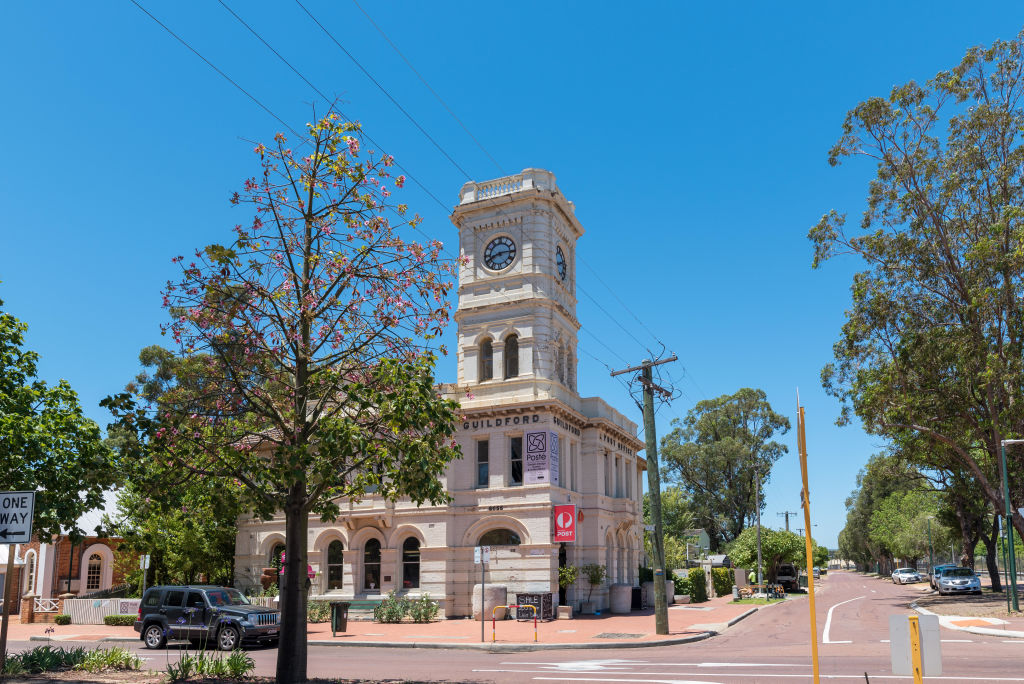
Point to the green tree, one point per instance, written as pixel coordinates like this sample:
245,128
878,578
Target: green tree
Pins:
46,444
720,456
932,352
777,547
900,524
307,347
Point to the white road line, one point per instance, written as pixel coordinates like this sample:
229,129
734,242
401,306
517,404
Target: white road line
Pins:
873,591
828,623
971,679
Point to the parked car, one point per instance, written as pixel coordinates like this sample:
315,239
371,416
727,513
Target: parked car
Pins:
956,580
936,571
905,576
207,614
817,573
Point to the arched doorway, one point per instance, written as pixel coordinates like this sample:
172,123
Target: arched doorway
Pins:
335,565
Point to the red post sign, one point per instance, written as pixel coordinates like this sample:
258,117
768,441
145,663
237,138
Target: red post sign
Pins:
565,523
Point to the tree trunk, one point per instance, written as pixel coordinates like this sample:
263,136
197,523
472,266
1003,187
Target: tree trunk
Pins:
991,546
291,652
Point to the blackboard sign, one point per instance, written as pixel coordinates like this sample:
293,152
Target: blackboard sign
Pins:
541,601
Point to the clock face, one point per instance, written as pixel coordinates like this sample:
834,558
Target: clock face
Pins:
500,253
560,262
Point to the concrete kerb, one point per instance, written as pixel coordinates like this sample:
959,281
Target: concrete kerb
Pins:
706,632
987,631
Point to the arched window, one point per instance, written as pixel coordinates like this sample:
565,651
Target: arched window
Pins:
511,356
560,363
570,363
500,537
411,563
371,564
486,360
30,571
276,554
95,571
335,565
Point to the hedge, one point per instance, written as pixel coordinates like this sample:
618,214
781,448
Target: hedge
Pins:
62,619
722,579
119,620
698,586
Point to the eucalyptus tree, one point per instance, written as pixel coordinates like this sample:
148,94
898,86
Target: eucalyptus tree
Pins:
933,345
721,457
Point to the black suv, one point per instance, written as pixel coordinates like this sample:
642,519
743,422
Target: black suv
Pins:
207,614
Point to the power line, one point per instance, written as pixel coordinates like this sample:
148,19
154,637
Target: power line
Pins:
333,104
223,75
433,92
384,90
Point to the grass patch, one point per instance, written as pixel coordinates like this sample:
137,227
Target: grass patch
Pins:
757,601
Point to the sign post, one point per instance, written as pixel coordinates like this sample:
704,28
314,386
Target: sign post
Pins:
16,512
144,566
481,557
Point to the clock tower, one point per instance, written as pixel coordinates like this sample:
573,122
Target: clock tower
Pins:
516,314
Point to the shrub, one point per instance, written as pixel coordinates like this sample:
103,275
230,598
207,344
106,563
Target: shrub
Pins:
110,659
119,620
722,579
567,575
236,665
423,609
318,611
682,585
594,573
44,659
62,619
391,609
698,586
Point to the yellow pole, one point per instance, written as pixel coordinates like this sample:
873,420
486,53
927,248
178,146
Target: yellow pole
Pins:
915,649
801,438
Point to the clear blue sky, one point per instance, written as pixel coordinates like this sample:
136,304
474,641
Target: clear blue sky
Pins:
692,138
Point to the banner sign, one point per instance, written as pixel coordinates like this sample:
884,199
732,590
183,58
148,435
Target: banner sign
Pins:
565,523
541,458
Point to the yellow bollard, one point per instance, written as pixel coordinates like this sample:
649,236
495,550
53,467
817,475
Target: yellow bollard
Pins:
915,650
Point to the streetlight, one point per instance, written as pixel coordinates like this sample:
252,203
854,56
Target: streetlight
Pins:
757,507
931,553
1009,520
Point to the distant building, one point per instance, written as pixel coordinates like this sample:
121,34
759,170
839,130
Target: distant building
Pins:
517,355
49,569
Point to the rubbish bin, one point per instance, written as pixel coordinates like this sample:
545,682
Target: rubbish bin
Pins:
339,616
803,581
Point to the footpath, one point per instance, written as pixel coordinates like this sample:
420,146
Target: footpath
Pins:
691,622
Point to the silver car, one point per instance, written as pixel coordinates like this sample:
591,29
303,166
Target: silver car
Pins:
905,576
958,581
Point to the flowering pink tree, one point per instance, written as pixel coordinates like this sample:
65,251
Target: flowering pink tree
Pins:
307,347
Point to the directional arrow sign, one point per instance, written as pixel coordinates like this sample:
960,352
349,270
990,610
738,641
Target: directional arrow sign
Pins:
16,509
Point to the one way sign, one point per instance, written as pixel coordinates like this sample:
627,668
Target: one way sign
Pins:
16,509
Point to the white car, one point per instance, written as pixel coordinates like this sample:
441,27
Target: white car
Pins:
959,581
905,576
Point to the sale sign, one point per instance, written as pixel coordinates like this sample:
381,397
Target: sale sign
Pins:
565,523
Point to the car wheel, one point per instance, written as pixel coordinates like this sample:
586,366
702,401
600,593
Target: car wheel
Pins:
228,638
153,636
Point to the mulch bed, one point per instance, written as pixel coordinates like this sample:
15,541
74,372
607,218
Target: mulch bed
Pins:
986,605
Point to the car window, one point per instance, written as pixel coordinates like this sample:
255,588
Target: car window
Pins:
227,597
152,599
174,598
958,572
195,600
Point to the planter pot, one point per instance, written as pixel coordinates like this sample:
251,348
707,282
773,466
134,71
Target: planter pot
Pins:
588,608
682,598
565,612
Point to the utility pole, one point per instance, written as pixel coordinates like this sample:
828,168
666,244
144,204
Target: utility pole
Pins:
787,514
654,484
1009,522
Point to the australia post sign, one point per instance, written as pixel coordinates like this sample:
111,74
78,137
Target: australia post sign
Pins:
565,523
541,458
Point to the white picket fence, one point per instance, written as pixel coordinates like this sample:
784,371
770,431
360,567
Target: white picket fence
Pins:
92,611
265,601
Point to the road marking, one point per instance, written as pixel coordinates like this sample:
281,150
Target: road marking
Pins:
828,623
971,679
873,591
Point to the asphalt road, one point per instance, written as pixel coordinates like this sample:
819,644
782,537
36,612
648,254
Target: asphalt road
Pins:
771,646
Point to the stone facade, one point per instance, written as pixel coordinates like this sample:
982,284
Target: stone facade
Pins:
517,355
